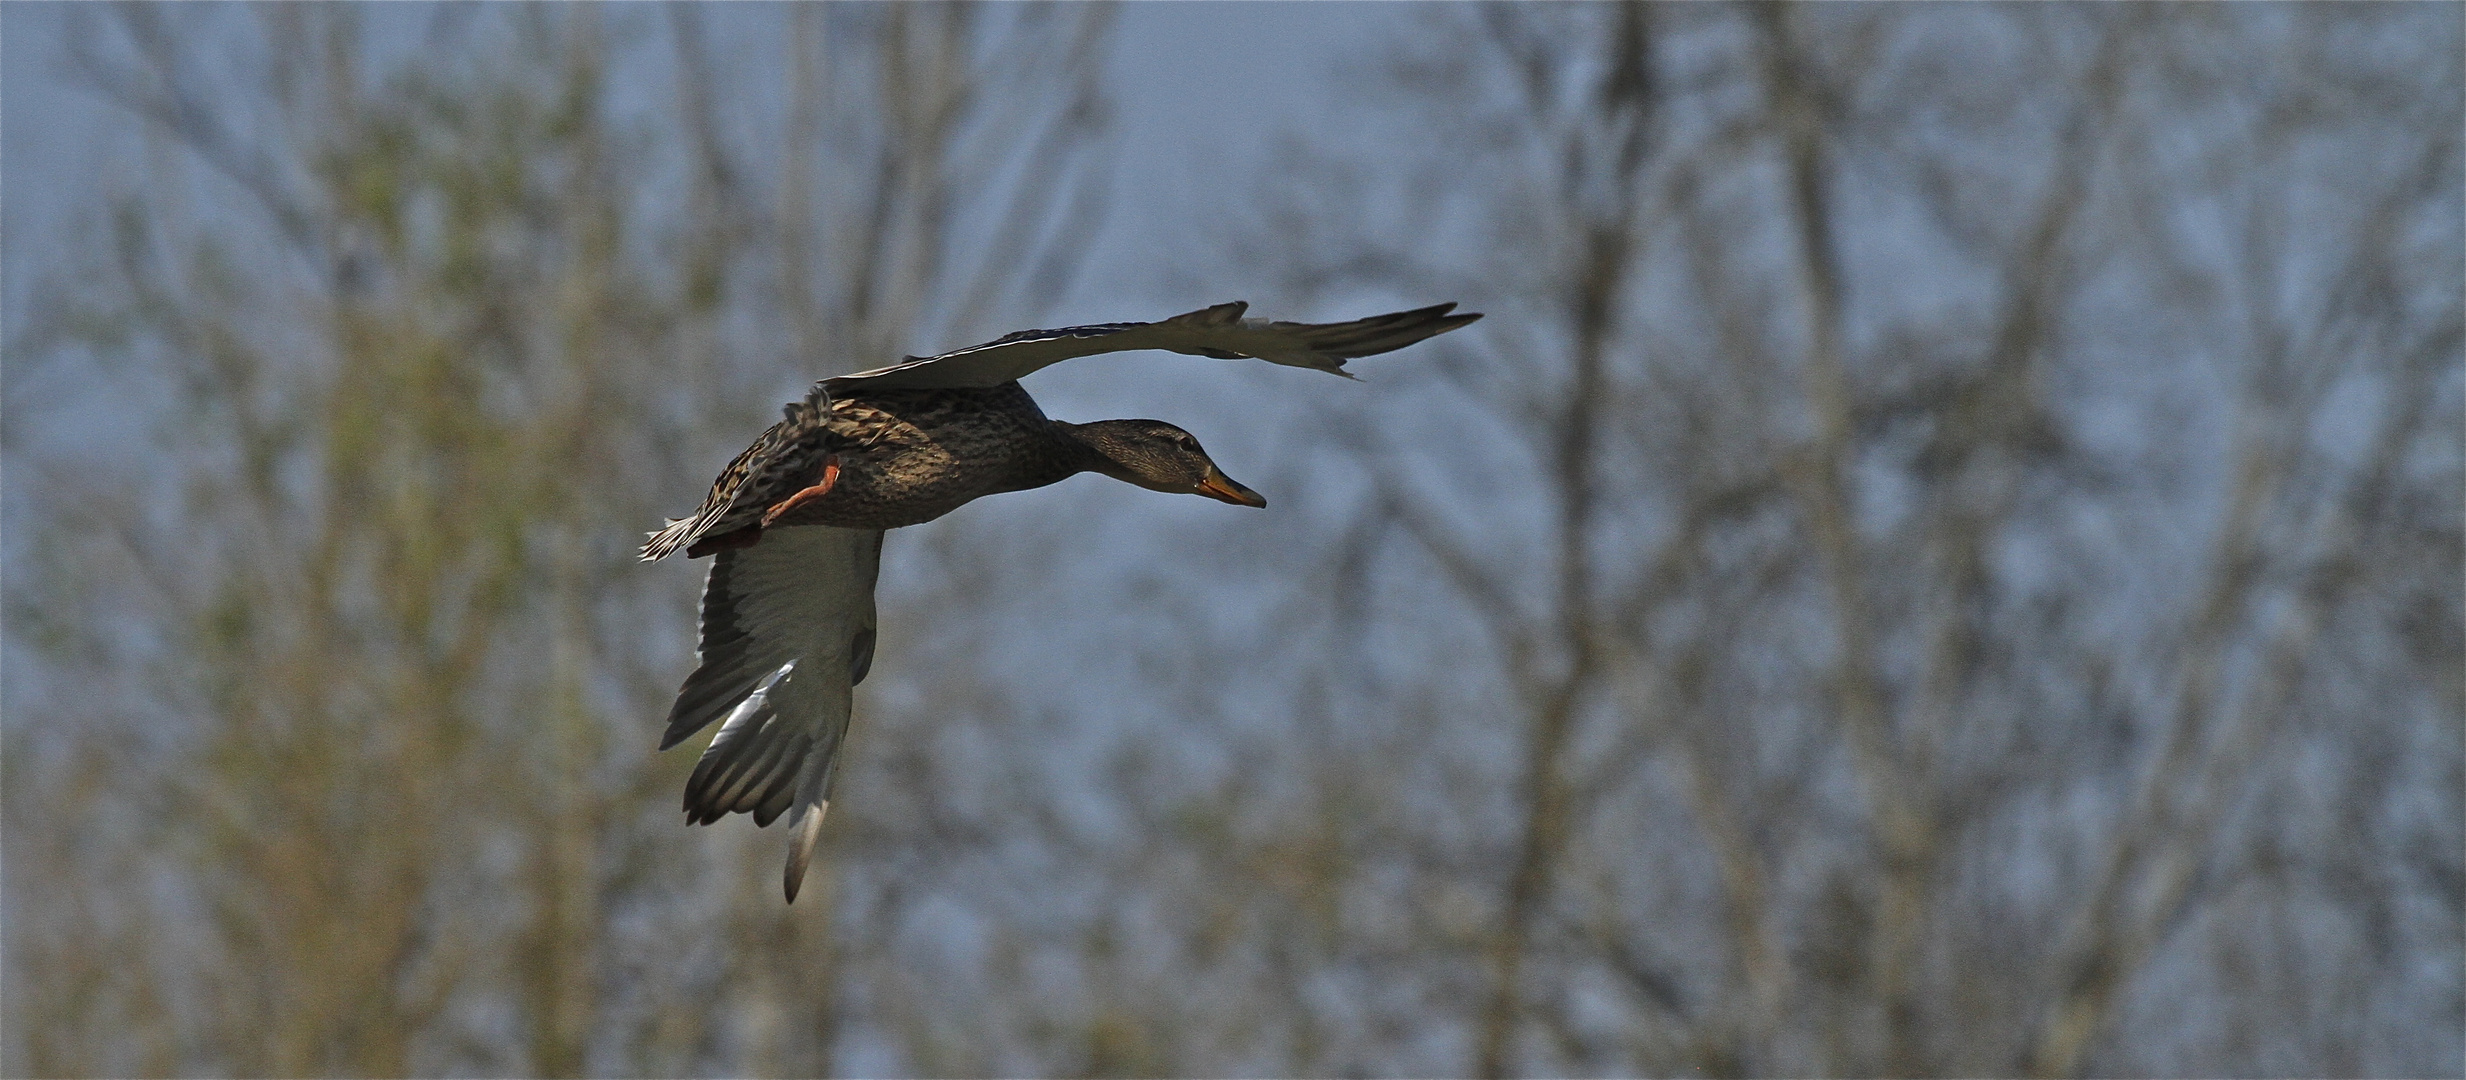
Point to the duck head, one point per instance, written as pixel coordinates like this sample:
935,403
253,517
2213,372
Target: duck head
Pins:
1159,457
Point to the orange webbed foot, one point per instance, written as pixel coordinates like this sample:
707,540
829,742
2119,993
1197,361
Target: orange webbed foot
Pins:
830,476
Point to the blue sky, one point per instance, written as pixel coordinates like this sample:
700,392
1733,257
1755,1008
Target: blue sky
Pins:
1200,90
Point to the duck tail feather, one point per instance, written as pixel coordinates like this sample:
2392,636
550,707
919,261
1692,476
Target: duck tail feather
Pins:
672,537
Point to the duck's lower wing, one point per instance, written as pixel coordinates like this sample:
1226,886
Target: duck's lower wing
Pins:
787,633
1219,331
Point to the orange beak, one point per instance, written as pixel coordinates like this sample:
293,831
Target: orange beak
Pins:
1220,487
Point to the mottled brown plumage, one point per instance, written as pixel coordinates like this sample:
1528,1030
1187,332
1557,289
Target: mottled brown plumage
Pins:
782,461
916,440
904,456
788,623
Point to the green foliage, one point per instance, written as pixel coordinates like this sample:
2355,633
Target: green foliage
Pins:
424,369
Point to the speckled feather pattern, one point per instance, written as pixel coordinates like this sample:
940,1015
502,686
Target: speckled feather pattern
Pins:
783,460
917,439
788,616
916,455
905,457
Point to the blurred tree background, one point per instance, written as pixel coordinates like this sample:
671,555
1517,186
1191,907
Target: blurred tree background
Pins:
1944,558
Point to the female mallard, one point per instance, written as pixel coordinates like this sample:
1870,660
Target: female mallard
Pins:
797,521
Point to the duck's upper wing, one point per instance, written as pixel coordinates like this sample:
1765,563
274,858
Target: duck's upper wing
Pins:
1219,331
787,633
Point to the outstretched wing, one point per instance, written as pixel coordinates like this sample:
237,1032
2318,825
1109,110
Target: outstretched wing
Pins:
787,633
1218,331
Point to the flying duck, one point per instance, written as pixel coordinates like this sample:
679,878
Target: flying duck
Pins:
796,523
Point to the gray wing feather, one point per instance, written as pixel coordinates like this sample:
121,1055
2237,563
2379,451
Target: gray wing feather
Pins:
1218,331
787,633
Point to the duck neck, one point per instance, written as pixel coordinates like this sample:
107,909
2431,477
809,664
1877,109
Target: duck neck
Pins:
1075,455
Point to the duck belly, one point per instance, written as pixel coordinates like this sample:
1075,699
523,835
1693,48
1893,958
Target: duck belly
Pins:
922,454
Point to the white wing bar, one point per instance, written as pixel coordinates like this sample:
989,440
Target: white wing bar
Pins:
787,633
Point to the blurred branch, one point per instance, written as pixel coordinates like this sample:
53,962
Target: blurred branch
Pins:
1998,419
1607,162
2148,868
1037,217
159,94
1904,829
